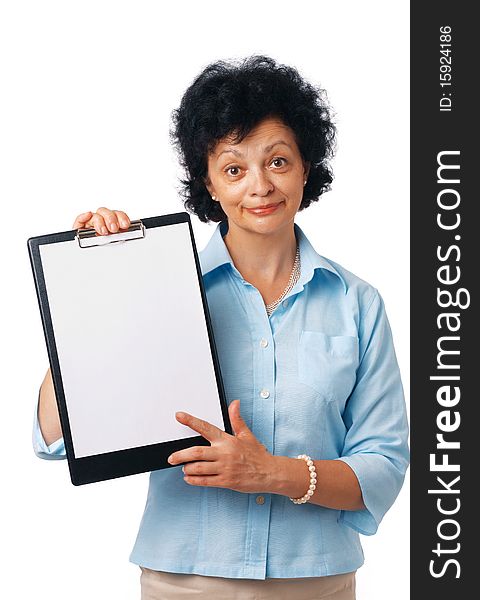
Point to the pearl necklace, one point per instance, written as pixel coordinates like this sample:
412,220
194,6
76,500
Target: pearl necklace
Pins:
294,277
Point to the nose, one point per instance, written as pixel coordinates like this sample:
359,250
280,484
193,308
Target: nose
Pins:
260,184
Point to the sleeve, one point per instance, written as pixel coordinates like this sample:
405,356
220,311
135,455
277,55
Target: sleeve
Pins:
55,451
376,443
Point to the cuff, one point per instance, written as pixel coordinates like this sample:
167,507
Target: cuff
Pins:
380,482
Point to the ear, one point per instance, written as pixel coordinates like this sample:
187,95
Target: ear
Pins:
306,169
208,185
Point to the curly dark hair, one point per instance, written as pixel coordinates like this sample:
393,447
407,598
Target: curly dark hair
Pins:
230,99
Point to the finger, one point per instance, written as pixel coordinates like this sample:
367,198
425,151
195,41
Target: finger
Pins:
110,218
204,480
201,468
81,220
238,424
123,219
204,428
98,222
194,453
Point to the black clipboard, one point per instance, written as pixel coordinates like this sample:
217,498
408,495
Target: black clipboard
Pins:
146,331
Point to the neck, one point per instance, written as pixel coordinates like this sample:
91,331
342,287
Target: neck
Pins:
262,257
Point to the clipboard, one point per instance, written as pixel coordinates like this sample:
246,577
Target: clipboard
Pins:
130,342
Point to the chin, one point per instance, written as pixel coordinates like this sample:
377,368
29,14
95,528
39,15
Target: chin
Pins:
267,225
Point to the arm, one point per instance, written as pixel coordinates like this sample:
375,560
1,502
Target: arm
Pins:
376,443
337,484
48,418
47,433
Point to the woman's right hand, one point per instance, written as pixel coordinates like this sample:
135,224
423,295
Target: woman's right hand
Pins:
104,221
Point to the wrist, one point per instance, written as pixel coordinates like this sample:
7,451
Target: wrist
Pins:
289,477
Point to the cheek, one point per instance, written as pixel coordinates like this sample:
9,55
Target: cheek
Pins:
231,196
292,189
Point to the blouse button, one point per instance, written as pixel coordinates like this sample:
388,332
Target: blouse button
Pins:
285,303
263,343
264,394
260,500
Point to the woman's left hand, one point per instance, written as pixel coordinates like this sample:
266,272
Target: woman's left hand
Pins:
238,462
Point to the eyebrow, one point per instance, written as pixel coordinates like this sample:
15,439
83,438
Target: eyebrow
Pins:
266,149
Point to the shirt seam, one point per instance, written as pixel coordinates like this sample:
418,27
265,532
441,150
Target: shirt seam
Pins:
363,318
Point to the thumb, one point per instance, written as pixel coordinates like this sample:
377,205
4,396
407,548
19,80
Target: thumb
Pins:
80,221
238,424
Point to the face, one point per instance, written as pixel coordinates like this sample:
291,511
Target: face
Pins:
259,181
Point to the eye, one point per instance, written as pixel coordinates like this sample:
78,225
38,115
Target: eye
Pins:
233,171
279,162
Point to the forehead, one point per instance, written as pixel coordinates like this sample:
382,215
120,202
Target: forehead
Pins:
266,132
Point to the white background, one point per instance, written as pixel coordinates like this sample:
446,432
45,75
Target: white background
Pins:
87,92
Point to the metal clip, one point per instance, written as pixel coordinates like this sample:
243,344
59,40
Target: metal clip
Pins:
89,237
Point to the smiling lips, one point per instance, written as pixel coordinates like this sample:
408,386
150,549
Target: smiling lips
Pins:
264,210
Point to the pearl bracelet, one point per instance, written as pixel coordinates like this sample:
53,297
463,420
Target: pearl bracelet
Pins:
313,481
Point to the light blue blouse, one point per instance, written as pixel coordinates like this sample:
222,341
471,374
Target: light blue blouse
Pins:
318,377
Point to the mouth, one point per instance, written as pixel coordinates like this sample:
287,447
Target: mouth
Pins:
264,210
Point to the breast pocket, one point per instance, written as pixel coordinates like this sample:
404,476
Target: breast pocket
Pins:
328,364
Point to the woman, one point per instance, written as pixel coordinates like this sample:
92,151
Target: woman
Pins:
306,355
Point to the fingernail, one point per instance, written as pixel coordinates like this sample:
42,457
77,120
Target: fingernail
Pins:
124,224
114,226
170,460
180,415
104,230
183,469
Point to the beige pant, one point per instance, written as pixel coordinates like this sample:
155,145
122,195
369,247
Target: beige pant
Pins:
159,585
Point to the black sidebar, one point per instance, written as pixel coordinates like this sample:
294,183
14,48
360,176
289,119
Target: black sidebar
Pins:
445,336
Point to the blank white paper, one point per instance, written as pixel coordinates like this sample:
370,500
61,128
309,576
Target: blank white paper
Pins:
131,338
